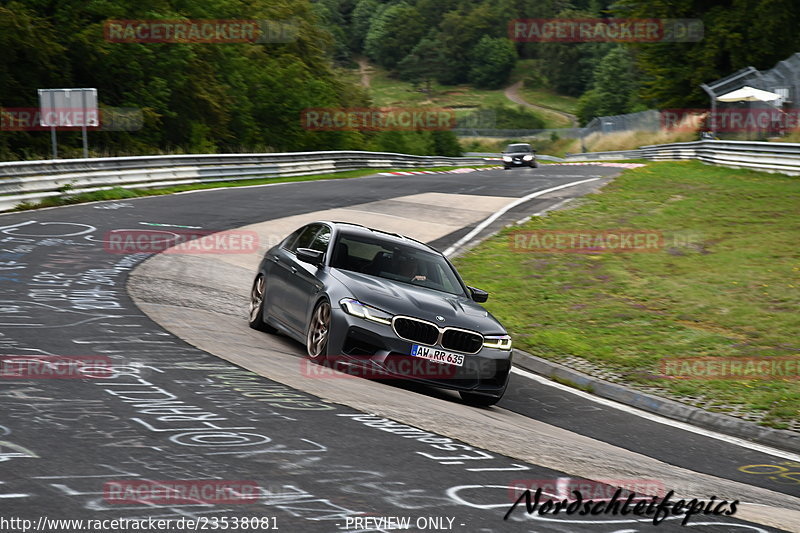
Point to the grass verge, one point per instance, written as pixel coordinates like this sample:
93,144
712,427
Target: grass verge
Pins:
631,140
392,92
119,193
726,283
549,98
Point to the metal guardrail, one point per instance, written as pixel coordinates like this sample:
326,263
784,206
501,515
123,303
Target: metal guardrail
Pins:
599,156
755,155
31,181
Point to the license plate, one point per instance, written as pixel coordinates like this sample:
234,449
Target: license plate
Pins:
435,354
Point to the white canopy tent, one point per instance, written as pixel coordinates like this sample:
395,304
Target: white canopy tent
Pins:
743,94
749,94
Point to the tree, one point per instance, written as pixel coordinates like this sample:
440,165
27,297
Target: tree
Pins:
393,34
445,143
615,87
491,61
360,20
737,34
515,118
333,21
194,97
568,67
423,64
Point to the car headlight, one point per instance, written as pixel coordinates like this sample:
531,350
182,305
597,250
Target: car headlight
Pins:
527,157
367,312
507,158
500,342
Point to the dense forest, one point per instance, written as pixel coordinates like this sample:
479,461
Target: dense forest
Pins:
200,97
456,41
196,97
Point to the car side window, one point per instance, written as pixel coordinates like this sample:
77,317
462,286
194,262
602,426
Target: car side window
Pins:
322,239
305,238
287,242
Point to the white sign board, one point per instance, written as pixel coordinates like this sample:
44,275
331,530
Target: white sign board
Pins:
68,108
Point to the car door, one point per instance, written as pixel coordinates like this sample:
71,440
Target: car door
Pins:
305,282
280,280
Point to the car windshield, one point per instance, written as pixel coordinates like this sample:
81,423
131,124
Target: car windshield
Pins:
390,260
515,148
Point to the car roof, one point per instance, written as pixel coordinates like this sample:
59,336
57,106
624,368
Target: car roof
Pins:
351,228
526,145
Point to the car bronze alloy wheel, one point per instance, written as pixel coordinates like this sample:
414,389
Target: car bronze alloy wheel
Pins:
318,330
257,306
256,298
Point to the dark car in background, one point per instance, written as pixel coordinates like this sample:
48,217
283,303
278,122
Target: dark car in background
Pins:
359,297
519,155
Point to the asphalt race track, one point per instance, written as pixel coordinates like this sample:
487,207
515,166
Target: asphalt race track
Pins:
323,451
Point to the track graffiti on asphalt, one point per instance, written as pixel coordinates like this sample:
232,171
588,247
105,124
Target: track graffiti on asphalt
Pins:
463,452
169,411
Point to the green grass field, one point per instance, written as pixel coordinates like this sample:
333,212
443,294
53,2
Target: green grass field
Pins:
726,283
389,92
533,89
548,98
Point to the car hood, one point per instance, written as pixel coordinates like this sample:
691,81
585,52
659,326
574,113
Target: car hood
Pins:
403,299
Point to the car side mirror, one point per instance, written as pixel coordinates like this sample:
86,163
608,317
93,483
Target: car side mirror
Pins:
310,256
478,295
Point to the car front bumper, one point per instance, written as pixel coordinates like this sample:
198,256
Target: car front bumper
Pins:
377,349
519,163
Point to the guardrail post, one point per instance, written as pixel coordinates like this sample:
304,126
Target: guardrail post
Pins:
53,141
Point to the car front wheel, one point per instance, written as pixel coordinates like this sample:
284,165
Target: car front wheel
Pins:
256,312
319,333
